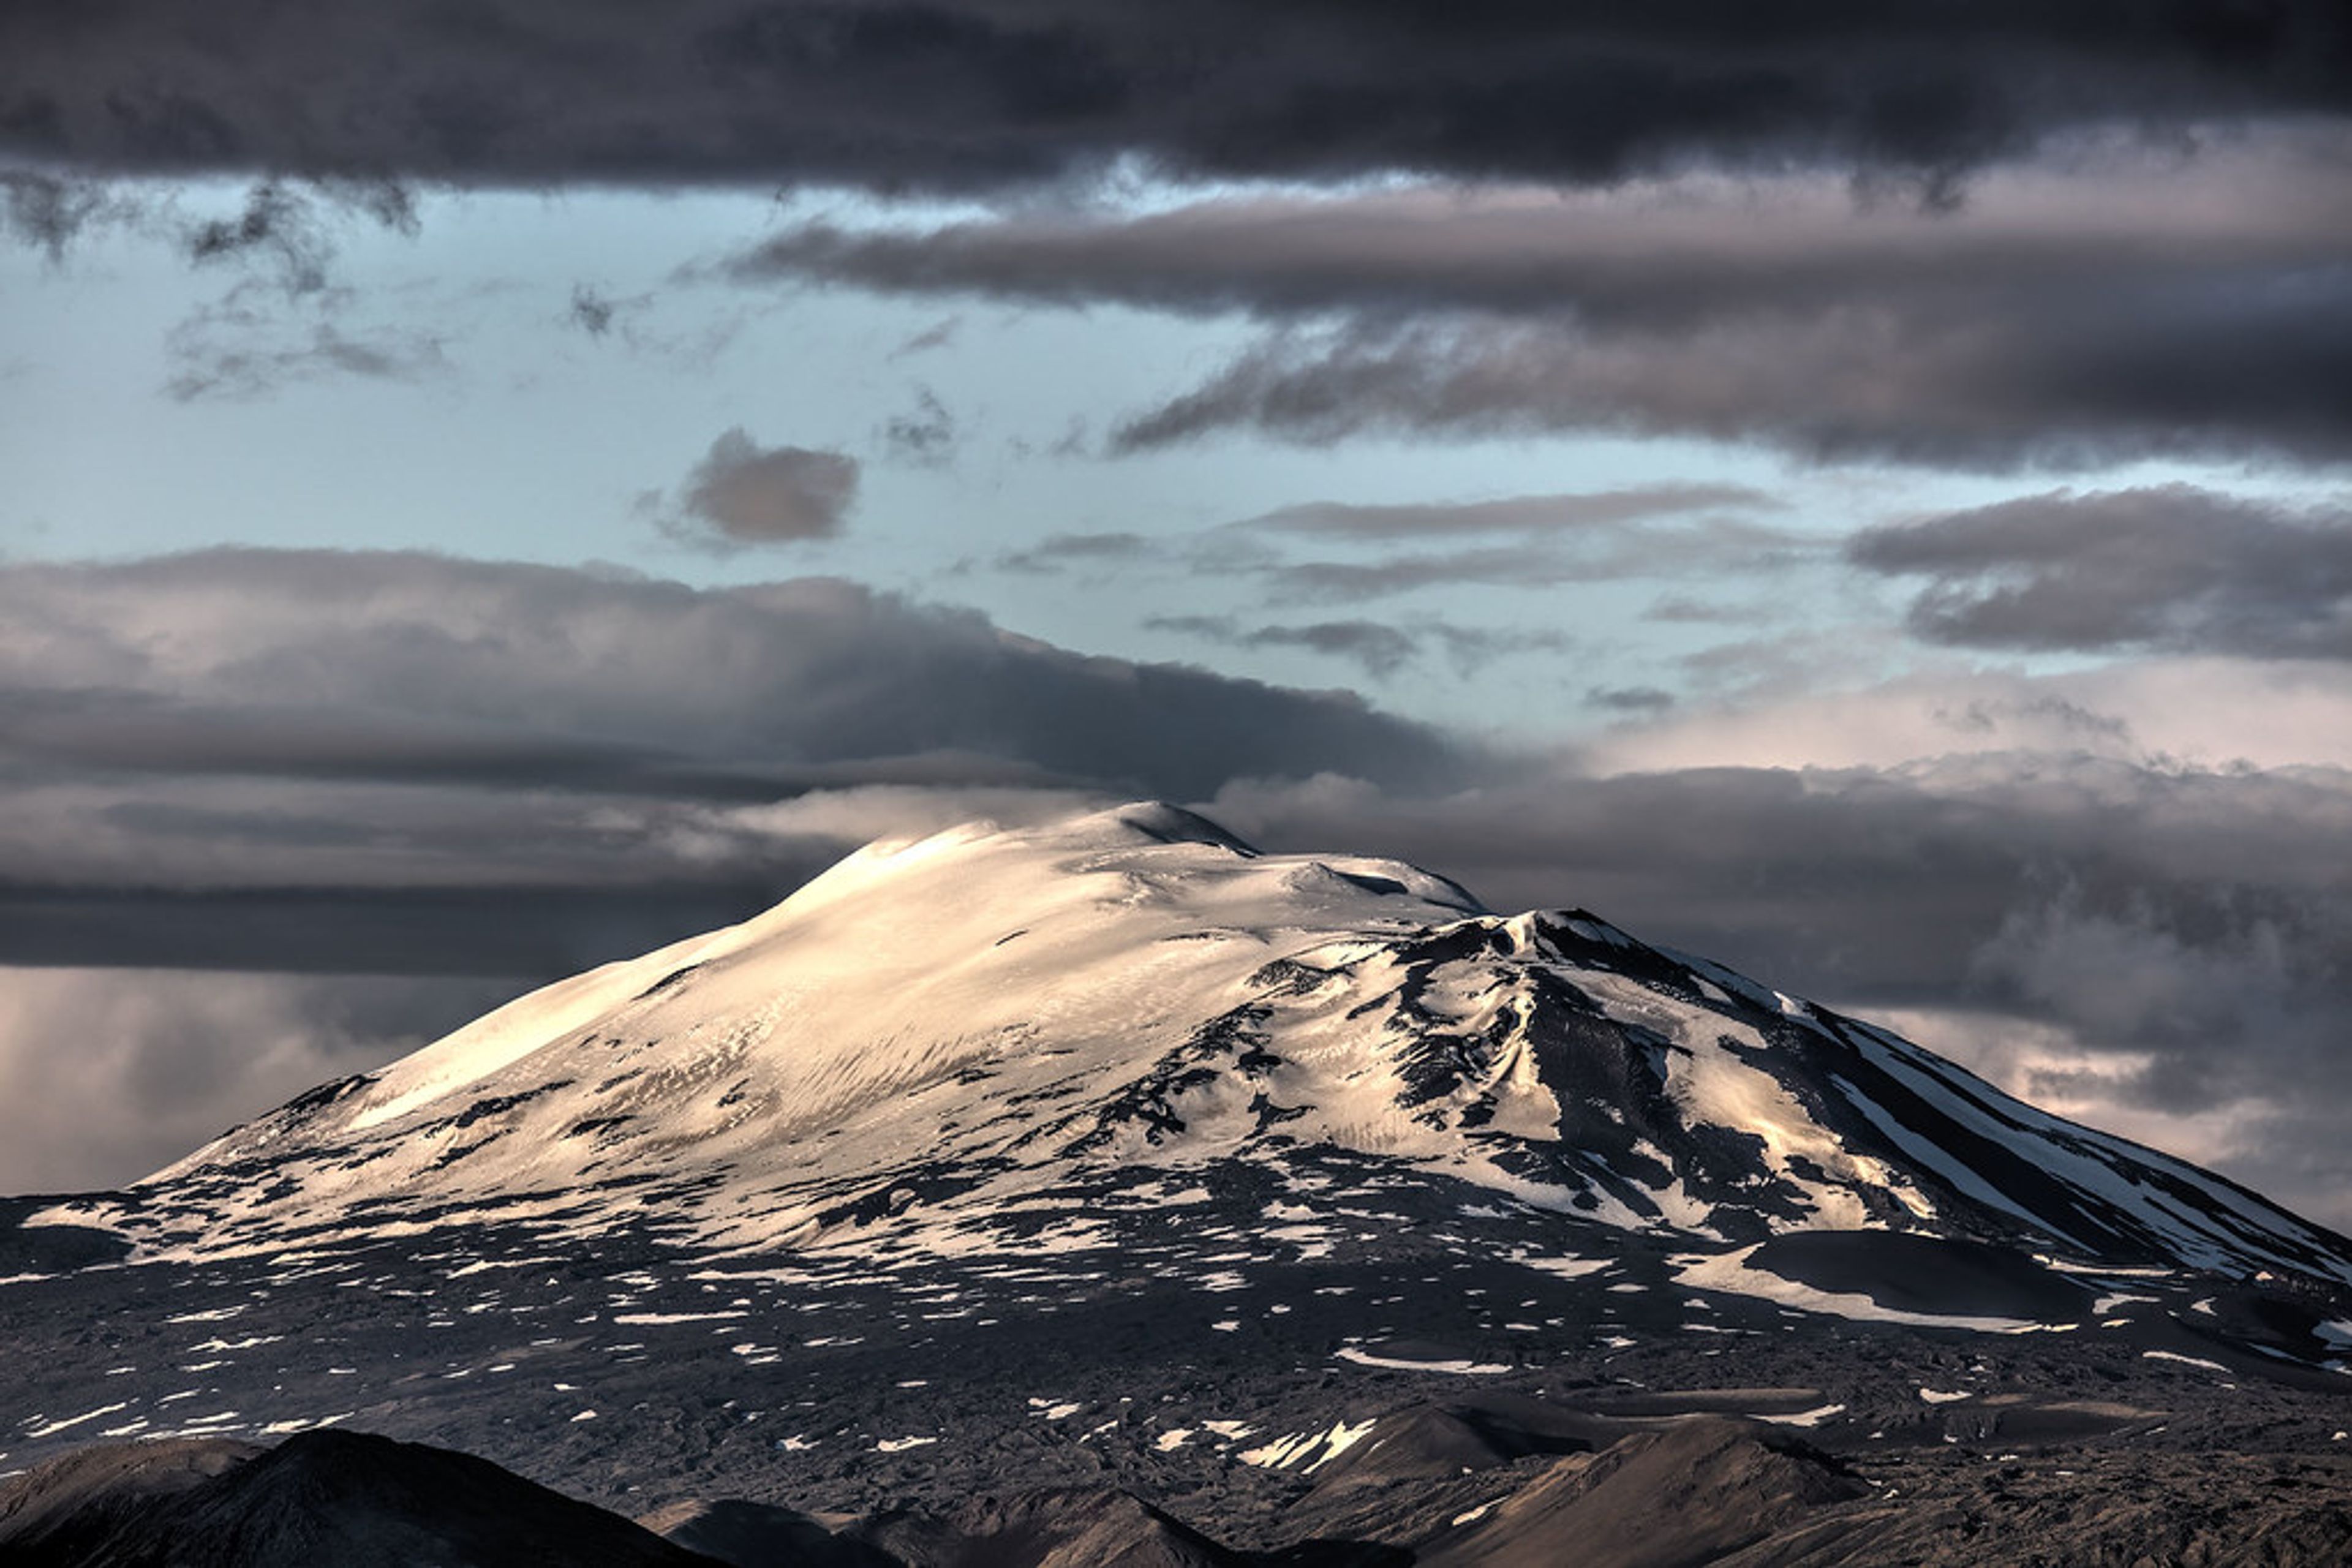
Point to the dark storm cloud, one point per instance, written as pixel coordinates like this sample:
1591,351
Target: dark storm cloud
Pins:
1659,254
2126,376
338,760
742,493
2115,305
947,93
2173,567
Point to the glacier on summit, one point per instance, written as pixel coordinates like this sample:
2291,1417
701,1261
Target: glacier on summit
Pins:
990,1039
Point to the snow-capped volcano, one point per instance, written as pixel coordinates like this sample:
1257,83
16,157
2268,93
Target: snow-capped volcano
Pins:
1114,1147
993,1040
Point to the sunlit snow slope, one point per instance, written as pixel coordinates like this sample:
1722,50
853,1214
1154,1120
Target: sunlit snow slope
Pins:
936,1035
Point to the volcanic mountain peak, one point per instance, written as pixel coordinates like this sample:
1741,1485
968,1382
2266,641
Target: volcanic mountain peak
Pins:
1112,1151
994,1039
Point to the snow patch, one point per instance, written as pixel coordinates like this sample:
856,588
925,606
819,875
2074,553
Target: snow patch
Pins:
1307,1452
1731,1271
1455,1368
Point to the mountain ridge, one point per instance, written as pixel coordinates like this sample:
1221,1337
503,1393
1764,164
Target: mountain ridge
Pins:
939,1026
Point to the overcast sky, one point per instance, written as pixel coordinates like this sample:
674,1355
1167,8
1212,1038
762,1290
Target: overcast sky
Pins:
1863,492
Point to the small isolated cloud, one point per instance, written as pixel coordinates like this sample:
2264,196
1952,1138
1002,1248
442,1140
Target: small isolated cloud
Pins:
742,493
938,335
591,311
2170,567
924,435
1629,698
1068,552
602,314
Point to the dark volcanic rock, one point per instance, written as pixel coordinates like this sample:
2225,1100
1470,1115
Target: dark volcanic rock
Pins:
1465,1434
341,1497
1059,1526
38,1249
1684,1495
67,1510
760,1535
1081,1526
1914,1273
2096,1511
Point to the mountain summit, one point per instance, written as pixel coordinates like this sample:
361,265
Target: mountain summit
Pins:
991,1039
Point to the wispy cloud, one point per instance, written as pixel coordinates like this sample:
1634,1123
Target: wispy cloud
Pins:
1381,648
1521,542
233,354
1585,512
